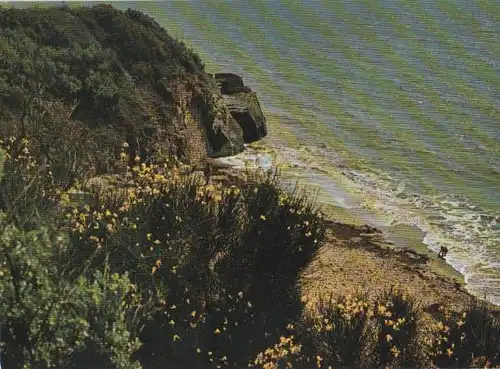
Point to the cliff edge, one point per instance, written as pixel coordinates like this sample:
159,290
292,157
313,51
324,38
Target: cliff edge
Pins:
86,80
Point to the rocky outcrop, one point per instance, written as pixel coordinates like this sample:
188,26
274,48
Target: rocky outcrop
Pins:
117,77
243,106
231,83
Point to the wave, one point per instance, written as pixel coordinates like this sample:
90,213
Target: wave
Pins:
471,234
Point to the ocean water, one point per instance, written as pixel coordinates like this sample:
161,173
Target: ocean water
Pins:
395,101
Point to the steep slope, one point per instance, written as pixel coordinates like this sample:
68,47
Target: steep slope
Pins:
83,81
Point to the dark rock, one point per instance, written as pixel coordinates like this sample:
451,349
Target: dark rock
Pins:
246,110
433,309
243,106
368,229
230,83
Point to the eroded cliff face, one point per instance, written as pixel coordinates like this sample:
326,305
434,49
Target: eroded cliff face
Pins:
200,128
120,77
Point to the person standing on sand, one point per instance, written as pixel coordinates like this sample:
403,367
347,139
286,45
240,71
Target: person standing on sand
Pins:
443,252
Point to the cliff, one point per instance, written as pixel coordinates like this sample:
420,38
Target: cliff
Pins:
80,82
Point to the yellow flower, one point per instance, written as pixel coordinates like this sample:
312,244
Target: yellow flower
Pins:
395,351
65,198
176,337
263,217
388,338
217,331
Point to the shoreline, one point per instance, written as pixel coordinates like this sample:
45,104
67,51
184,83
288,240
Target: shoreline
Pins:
397,247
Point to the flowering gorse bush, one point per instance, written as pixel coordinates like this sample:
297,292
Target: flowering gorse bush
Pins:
334,330
163,267
207,263
467,339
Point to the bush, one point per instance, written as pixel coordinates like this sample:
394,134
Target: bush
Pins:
467,339
194,251
54,320
334,332
397,317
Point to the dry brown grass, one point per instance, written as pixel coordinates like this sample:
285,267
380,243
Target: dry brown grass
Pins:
351,261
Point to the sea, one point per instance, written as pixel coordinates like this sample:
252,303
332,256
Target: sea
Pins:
390,109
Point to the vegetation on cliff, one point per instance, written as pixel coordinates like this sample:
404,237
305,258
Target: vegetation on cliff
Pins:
79,81
164,269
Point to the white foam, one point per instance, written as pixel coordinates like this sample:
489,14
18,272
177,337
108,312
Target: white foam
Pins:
471,235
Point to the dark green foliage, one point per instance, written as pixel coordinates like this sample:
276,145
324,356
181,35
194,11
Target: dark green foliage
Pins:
401,326
469,339
355,332
22,186
107,76
337,334
210,251
50,319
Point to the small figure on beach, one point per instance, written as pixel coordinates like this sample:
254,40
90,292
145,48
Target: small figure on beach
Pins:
443,252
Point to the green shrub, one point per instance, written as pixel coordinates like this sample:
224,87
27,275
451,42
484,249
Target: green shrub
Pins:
199,248
54,320
335,330
397,317
467,339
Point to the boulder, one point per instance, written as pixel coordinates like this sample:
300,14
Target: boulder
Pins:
243,105
230,83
